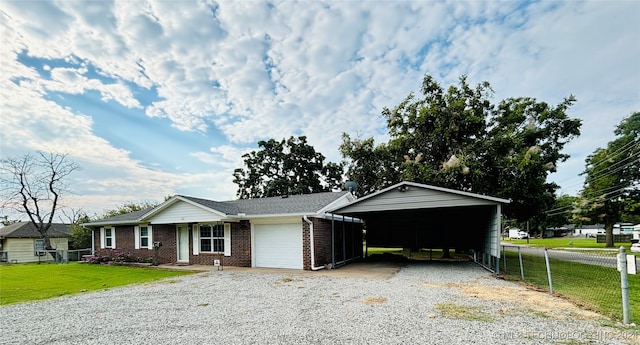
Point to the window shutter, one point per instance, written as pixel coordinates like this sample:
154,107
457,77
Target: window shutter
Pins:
102,241
113,235
227,239
136,237
150,233
196,240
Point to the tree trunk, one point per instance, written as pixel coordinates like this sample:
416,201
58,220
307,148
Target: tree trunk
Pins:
608,230
445,253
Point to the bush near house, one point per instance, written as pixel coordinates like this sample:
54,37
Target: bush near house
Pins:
116,256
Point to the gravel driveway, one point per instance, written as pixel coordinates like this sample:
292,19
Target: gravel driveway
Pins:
423,303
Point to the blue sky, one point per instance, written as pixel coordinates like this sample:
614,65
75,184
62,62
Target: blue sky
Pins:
154,98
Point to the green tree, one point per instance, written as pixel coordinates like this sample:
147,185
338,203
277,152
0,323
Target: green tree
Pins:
612,181
457,138
561,212
285,167
128,207
34,185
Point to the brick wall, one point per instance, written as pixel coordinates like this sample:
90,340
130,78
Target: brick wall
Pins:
240,248
166,233
322,241
124,236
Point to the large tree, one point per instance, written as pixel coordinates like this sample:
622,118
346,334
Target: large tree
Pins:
612,178
285,167
34,184
457,138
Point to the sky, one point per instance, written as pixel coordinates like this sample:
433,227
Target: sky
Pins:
156,98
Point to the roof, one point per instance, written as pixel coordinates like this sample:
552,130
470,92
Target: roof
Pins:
28,230
279,205
292,204
406,195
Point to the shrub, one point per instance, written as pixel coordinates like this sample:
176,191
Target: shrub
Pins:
116,257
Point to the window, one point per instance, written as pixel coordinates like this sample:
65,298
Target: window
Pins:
212,238
38,246
144,237
108,237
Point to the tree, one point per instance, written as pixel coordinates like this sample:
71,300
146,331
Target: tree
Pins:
612,181
129,207
457,138
561,212
34,185
285,167
80,236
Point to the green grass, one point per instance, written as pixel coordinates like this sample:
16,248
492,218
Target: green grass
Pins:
463,312
31,282
565,242
592,287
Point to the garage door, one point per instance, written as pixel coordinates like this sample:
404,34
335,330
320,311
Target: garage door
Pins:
278,245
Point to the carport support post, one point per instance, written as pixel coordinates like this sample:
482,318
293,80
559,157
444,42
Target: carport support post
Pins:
344,244
333,243
546,260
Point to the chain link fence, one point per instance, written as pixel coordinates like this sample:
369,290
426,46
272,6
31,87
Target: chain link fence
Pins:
54,256
588,278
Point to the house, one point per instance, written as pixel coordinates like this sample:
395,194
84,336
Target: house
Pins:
21,242
294,231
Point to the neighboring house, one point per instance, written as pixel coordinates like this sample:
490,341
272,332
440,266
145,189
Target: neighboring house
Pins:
281,232
588,230
21,242
559,231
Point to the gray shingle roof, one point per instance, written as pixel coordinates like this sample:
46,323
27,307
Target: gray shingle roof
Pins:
129,216
28,230
305,203
292,204
224,207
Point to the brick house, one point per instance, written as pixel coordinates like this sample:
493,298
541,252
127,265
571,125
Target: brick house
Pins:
281,232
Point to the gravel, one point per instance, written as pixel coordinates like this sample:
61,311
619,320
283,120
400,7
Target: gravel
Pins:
252,307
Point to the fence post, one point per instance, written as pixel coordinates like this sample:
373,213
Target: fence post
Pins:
521,268
505,260
624,284
546,260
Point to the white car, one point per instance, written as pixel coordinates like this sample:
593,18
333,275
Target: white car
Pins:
635,247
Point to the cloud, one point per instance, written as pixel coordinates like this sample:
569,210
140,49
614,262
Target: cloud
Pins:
234,73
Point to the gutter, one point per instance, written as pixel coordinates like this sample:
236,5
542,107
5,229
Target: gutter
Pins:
312,244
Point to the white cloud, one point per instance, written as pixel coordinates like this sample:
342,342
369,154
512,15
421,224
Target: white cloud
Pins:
248,71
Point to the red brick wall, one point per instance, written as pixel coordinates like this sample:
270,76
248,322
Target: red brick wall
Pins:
166,233
322,241
124,236
240,248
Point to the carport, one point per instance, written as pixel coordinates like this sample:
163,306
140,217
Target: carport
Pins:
416,216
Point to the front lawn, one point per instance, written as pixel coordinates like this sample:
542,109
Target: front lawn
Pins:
30,282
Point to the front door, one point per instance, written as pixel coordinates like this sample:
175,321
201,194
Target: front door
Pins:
182,234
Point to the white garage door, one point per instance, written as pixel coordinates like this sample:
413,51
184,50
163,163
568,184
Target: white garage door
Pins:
278,245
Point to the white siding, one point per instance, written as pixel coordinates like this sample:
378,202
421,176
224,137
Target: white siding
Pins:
22,250
181,212
492,240
414,198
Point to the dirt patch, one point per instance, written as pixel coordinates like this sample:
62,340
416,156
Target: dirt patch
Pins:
522,298
375,300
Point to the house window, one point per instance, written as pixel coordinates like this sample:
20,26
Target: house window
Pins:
108,237
38,246
144,237
212,238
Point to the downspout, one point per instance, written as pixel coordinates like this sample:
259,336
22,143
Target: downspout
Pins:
312,244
